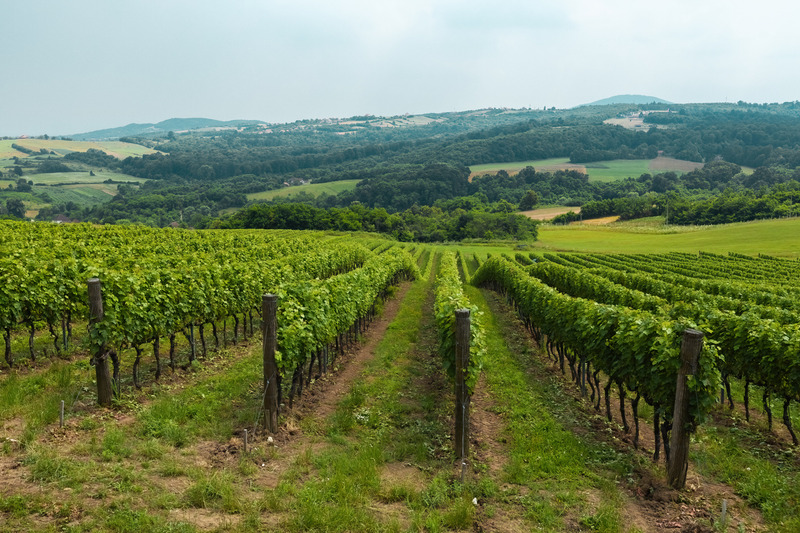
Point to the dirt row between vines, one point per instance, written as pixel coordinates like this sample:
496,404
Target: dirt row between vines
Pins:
652,505
317,401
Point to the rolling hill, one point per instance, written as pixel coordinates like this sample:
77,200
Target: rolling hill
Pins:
172,124
636,99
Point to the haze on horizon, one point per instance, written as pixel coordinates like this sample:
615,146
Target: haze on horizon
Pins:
84,65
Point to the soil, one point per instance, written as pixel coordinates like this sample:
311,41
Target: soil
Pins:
652,505
319,400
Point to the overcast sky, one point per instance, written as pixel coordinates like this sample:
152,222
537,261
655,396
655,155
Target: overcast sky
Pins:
71,66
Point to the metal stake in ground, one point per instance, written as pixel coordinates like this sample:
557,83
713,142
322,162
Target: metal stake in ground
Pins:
691,346
269,307
462,394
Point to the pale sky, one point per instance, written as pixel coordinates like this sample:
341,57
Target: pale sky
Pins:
71,66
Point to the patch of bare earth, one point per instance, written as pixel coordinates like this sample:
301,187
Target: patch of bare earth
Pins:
677,165
547,213
318,401
597,221
204,519
486,430
651,504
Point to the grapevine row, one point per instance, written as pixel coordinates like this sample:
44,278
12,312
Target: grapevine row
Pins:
449,296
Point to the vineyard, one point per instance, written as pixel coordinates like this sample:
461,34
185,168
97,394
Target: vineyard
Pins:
132,376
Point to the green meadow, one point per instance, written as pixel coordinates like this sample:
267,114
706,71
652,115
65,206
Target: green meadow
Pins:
56,178
516,166
597,171
60,147
772,237
315,189
83,194
617,169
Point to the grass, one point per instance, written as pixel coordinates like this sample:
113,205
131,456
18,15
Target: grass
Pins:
596,170
385,418
617,169
769,483
395,418
215,407
56,178
773,237
36,397
556,467
516,166
115,148
82,195
315,189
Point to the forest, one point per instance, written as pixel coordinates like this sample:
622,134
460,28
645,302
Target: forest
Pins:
197,177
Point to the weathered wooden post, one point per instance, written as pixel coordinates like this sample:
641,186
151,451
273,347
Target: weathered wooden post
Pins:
269,306
691,346
462,394
100,358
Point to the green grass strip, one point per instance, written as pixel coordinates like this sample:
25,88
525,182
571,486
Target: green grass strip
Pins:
553,472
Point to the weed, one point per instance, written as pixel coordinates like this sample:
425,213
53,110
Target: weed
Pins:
115,445
215,491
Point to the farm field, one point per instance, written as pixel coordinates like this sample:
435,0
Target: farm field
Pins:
547,213
772,237
77,187
597,171
117,149
56,178
315,189
367,446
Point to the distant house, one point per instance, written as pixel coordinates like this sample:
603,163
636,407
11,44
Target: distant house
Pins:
61,219
174,224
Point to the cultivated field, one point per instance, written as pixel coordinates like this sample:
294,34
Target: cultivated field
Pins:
315,189
547,213
117,149
55,178
772,237
367,443
597,171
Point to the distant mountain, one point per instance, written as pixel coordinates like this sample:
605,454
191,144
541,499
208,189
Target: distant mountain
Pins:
628,99
172,124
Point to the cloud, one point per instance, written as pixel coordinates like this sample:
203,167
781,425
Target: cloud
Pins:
86,64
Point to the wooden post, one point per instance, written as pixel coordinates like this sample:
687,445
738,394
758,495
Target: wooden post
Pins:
462,394
269,307
100,359
691,346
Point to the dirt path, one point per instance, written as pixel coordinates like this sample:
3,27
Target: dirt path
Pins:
279,452
651,504
325,393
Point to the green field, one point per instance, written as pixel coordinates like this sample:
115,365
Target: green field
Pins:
83,194
597,171
115,148
511,168
617,169
332,187
772,237
55,178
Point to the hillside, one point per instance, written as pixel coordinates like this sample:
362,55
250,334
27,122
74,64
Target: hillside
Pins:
161,128
636,99
422,160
